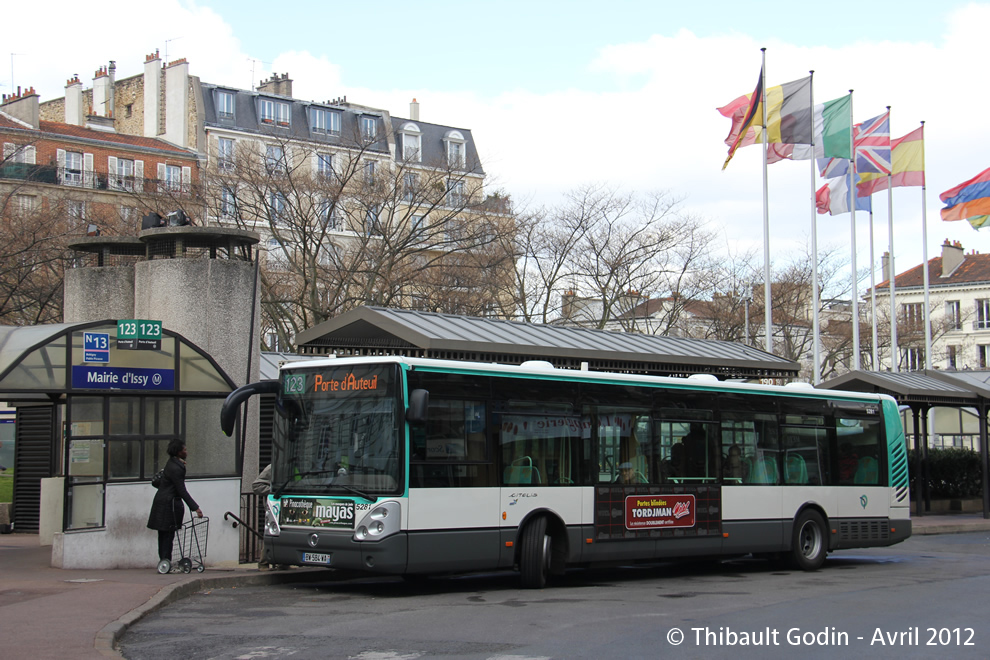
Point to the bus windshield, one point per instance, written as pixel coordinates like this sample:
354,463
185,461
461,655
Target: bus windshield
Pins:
337,431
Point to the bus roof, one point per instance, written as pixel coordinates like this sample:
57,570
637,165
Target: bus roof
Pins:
544,370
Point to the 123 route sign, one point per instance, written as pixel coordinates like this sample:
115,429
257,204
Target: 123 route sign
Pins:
139,335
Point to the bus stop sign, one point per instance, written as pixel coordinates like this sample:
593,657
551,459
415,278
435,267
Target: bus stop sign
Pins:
140,335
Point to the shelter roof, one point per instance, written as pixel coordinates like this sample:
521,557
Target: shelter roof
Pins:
378,330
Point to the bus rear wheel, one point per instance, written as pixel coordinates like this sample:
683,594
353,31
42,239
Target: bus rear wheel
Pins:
534,554
809,545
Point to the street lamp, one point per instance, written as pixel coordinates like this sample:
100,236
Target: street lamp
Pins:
747,297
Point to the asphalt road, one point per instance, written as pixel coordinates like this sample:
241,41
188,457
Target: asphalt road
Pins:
925,598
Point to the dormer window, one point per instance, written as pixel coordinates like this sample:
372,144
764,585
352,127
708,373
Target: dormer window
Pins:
273,113
225,105
454,141
412,143
369,127
324,121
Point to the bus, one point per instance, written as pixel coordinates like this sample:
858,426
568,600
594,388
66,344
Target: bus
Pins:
414,466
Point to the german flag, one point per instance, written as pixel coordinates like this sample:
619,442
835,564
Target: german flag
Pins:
741,121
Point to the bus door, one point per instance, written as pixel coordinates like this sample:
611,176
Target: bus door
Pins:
453,498
752,498
540,449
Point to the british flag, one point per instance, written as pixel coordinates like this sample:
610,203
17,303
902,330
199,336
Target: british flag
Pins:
872,141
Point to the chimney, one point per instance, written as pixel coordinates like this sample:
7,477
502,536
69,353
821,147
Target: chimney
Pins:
277,84
885,266
22,106
101,94
414,110
177,103
112,91
952,257
152,93
74,101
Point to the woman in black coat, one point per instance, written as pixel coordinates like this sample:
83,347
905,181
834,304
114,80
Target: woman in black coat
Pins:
167,510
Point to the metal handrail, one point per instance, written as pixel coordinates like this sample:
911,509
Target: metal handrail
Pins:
237,521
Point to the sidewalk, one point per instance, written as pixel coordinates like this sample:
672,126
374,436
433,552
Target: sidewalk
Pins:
54,613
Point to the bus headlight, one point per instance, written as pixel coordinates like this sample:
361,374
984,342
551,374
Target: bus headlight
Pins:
379,523
271,518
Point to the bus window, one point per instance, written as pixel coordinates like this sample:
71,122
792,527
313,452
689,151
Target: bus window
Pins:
805,455
451,449
859,451
540,445
455,431
624,444
754,435
688,446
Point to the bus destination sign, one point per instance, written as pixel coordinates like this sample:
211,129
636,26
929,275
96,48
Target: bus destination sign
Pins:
139,335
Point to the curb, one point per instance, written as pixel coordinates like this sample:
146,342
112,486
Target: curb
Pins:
108,637
932,530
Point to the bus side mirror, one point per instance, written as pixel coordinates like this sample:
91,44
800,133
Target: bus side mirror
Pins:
228,413
419,403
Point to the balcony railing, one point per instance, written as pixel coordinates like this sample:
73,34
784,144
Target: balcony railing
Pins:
89,180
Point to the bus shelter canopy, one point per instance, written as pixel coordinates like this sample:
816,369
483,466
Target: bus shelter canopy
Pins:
385,331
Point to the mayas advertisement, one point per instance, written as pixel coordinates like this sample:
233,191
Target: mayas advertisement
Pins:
317,512
659,511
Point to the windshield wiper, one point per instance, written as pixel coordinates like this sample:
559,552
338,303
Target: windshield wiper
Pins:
278,493
352,489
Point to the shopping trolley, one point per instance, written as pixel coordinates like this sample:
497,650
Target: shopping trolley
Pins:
189,546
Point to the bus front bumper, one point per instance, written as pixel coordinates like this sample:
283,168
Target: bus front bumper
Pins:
340,550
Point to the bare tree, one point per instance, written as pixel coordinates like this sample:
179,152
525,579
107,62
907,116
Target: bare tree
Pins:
599,254
351,227
33,256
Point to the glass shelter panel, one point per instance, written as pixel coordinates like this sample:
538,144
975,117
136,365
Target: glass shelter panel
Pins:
197,373
210,451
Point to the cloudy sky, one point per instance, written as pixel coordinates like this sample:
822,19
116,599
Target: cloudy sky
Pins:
560,94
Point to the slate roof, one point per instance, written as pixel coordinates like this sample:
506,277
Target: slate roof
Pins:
48,129
246,117
975,269
432,143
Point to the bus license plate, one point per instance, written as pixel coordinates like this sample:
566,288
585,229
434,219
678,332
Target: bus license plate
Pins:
316,558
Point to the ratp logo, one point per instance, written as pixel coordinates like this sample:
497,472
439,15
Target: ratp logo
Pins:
863,501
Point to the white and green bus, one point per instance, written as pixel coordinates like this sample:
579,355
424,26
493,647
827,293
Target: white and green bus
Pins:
407,466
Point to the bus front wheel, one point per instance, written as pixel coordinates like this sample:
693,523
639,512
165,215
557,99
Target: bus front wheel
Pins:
809,545
534,554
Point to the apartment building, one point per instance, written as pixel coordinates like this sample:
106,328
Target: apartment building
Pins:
354,205
959,309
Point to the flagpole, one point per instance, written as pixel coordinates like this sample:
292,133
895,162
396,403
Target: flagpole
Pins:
873,291
852,231
924,260
892,273
816,352
894,357
767,315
